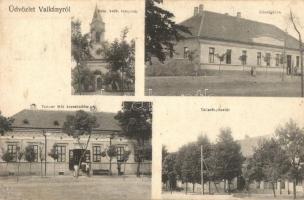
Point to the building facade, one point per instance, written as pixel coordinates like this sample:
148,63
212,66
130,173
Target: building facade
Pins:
236,43
41,129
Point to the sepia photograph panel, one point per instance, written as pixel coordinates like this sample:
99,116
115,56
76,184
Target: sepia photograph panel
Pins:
73,151
236,153
224,48
103,40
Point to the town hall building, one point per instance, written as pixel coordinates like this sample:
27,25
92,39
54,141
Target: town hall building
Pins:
242,43
42,130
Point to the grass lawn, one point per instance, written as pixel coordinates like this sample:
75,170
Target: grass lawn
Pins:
53,188
197,196
226,83
104,93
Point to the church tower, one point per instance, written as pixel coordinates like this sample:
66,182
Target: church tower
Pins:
97,28
97,35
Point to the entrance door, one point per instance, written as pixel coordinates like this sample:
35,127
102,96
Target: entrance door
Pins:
75,155
288,64
99,83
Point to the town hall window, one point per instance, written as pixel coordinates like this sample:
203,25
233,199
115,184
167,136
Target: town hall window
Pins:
277,59
96,153
267,59
211,55
259,57
228,56
297,61
186,52
12,150
60,151
244,57
35,148
120,152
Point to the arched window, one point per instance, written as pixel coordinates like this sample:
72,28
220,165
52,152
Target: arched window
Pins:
98,34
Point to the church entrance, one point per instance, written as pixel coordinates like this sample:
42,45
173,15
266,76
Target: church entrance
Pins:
99,83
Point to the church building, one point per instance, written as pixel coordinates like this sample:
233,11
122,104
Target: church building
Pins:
97,63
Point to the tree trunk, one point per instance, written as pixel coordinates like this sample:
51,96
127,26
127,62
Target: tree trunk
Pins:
294,189
273,190
209,188
54,168
79,81
41,168
110,167
30,168
225,185
193,184
138,169
186,187
18,171
124,167
83,154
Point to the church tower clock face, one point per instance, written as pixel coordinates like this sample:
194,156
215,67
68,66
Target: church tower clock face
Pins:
97,35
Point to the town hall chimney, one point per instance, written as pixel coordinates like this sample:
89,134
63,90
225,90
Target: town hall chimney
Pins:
201,9
195,11
238,14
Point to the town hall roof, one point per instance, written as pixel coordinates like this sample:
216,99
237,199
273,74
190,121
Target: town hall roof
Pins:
48,119
216,26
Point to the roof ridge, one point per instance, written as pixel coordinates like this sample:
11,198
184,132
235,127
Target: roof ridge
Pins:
244,19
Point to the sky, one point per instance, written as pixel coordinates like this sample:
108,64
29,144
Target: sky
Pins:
181,122
115,22
254,10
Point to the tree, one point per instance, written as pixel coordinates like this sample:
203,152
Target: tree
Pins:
111,152
7,157
295,26
82,79
53,154
161,32
168,171
20,154
125,158
135,118
269,162
5,124
42,157
164,152
221,58
121,57
228,157
190,169
80,51
291,139
80,124
30,155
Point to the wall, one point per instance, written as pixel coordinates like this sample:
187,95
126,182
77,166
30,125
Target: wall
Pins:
36,138
221,47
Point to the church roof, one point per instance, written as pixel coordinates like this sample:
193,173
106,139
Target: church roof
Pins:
96,15
48,119
216,26
249,144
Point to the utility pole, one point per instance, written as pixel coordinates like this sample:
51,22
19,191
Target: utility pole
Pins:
284,54
202,169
